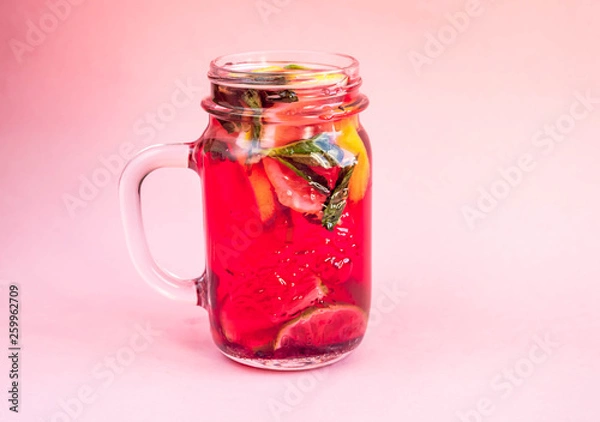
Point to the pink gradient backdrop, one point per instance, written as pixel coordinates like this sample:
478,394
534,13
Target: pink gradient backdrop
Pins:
473,299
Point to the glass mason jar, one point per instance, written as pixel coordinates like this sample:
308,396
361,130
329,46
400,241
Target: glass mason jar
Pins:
286,169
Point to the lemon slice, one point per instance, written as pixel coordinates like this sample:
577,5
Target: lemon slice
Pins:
263,193
268,69
329,78
350,140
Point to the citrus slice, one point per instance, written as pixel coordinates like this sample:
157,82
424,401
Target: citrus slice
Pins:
263,192
320,327
292,74
350,140
268,69
260,304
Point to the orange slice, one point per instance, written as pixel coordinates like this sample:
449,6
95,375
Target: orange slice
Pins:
265,198
350,140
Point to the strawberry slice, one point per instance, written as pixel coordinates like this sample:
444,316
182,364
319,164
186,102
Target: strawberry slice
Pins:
292,190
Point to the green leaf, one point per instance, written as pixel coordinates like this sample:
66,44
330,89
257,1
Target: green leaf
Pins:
313,178
252,99
336,202
218,150
229,126
293,66
318,151
286,96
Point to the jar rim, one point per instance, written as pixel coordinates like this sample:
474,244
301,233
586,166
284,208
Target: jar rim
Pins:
263,68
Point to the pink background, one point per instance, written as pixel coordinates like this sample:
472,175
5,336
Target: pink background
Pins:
472,300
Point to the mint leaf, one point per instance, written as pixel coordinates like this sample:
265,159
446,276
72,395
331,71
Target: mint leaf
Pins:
313,178
229,126
219,150
336,202
286,96
318,151
293,66
252,99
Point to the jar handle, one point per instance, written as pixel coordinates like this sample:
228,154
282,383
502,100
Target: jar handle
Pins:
145,162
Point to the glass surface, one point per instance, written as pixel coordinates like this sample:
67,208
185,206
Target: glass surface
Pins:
286,171
287,185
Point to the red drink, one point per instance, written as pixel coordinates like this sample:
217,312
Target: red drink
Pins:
287,214
286,170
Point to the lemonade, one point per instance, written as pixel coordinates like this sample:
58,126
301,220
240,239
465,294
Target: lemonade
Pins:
288,203
286,170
